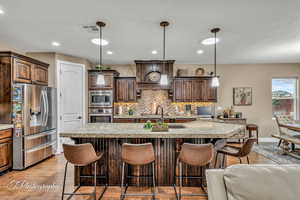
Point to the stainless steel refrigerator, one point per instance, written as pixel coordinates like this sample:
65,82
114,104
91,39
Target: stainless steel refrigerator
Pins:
35,119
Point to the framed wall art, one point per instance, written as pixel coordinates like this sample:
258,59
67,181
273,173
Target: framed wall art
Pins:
242,96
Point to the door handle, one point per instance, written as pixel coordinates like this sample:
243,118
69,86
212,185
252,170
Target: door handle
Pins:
79,117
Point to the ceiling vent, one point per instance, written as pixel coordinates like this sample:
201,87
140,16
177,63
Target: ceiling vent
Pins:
90,28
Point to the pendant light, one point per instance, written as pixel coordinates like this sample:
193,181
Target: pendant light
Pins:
215,80
100,77
164,77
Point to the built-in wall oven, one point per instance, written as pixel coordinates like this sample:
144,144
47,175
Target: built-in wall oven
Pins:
101,98
100,115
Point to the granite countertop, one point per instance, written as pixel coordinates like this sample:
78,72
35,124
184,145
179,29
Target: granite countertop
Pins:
155,116
6,126
195,129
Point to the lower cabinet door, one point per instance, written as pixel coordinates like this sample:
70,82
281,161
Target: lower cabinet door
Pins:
5,155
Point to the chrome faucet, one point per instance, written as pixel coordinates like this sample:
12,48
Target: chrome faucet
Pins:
162,113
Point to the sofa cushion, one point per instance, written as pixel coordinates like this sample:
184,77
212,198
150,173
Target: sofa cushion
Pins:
262,182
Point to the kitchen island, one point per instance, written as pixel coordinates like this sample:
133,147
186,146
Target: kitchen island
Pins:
109,137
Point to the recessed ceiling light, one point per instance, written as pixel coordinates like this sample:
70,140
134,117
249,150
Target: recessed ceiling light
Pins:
1,12
200,51
154,52
56,44
210,41
97,41
109,52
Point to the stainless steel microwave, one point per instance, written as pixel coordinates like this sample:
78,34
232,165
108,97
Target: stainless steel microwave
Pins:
103,98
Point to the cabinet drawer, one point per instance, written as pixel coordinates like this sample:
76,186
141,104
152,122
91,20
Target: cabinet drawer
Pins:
5,134
38,154
31,142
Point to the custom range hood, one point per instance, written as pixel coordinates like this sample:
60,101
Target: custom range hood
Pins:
155,74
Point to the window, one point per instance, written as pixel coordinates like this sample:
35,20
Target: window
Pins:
284,96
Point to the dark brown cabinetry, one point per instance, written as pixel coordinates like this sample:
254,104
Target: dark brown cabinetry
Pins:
108,79
125,89
24,69
39,75
190,89
148,73
5,149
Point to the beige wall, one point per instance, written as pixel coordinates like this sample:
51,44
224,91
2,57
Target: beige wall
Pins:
257,76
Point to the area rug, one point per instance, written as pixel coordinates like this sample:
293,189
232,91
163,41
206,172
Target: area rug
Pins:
274,153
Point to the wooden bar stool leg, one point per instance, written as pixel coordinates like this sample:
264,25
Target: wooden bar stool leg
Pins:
248,160
240,160
250,133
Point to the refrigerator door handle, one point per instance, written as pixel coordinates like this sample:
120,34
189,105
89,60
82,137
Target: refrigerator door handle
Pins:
47,108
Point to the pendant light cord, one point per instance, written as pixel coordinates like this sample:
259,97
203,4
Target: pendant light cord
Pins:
215,54
100,52
164,43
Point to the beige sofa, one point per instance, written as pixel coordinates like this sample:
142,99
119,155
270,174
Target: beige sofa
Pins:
254,182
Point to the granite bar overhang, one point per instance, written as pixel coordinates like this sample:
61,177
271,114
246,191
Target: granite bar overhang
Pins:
195,129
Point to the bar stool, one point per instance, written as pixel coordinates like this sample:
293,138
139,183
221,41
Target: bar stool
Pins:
238,152
250,128
81,155
198,155
138,155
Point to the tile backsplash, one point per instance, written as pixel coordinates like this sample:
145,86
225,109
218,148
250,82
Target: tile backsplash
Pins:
150,99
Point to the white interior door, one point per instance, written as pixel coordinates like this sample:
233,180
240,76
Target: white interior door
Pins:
70,97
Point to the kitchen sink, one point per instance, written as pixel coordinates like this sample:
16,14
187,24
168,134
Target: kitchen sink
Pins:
173,126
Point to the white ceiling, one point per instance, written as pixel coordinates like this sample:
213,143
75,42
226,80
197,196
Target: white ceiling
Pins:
256,31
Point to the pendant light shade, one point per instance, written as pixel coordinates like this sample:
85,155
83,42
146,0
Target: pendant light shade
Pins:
164,77
215,80
100,77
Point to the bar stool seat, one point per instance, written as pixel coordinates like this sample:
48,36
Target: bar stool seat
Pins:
81,155
137,155
199,155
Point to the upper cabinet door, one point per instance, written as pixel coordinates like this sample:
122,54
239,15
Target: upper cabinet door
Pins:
108,79
131,90
178,90
22,71
198,90
211,92
192,89
187,90
125,90
39,75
